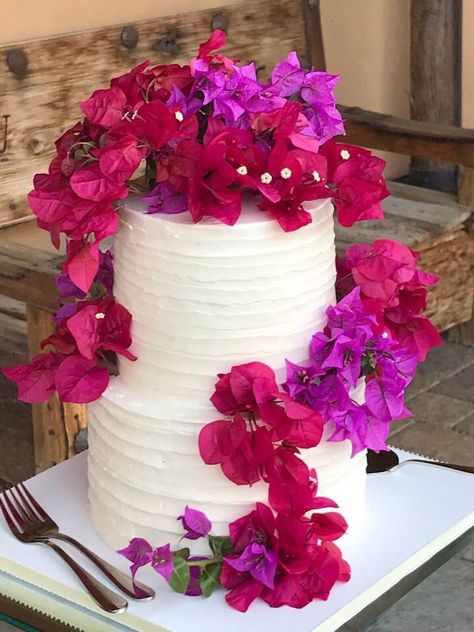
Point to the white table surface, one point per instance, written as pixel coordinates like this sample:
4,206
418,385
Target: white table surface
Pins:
409,515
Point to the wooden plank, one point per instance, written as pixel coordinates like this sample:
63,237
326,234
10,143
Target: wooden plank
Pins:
421,194
442,216
314,34
435,74
75,419
411,138
451,299
63,71
28,275
50,440
12,308
415,233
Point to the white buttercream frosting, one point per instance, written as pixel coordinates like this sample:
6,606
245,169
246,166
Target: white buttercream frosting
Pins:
204,297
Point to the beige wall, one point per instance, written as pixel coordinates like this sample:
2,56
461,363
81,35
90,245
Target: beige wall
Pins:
27,19
367,43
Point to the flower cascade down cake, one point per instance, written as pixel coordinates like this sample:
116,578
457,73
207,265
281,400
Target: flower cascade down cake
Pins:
251,369
204,297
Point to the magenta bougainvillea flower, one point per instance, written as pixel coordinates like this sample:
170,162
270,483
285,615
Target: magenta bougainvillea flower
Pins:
352,349
393,289
195,522
139,552
161,560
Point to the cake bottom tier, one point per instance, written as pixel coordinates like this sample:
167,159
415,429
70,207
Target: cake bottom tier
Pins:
144,468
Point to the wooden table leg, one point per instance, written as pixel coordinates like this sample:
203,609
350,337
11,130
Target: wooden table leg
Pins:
55,425
50,441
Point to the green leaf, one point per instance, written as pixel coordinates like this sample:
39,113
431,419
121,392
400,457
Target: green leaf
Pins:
184,553
221,545
210,579
179,580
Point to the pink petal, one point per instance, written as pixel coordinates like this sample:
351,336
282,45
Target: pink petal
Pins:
80,380
83,266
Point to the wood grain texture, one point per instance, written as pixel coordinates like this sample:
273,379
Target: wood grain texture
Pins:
435,67
314,34
75,418
63,71
50,442
28,275
407,137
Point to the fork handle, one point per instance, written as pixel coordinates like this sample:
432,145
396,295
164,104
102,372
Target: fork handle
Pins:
103,596
124,581
451,466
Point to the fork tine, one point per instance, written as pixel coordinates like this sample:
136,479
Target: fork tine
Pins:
13,511
21,512
27,504
8,518
24,510
39,509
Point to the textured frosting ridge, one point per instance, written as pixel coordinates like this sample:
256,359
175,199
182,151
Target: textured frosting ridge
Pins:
204,297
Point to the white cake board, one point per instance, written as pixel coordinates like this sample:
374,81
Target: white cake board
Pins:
409,516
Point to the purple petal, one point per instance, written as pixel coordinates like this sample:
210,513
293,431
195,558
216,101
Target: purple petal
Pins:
137,552
162,561
196,523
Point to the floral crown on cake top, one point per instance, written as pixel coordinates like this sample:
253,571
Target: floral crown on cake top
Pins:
194,139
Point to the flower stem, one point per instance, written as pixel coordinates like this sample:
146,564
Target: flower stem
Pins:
208,562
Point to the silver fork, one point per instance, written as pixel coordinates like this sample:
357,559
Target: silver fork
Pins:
35,525
25,526
45,526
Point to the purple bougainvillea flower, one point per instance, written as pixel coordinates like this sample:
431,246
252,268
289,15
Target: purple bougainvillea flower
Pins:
196,523
165,199
66,287
161,560
257,560
138,552
298,379
287,76
194,586
65,311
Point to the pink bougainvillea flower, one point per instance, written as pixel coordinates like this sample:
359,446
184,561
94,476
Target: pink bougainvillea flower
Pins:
36,380
82,264
357,183
242,454
80,380
235,391
393,289
90,183
121,159
105,107
196,523
209,191
139,552
102,325
329,525
220,439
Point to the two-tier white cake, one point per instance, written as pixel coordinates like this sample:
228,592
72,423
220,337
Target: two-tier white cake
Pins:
204,297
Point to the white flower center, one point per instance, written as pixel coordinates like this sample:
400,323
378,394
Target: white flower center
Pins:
316,176
100,315
286,173
178,116
242,170
345,155
266,178
384,334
